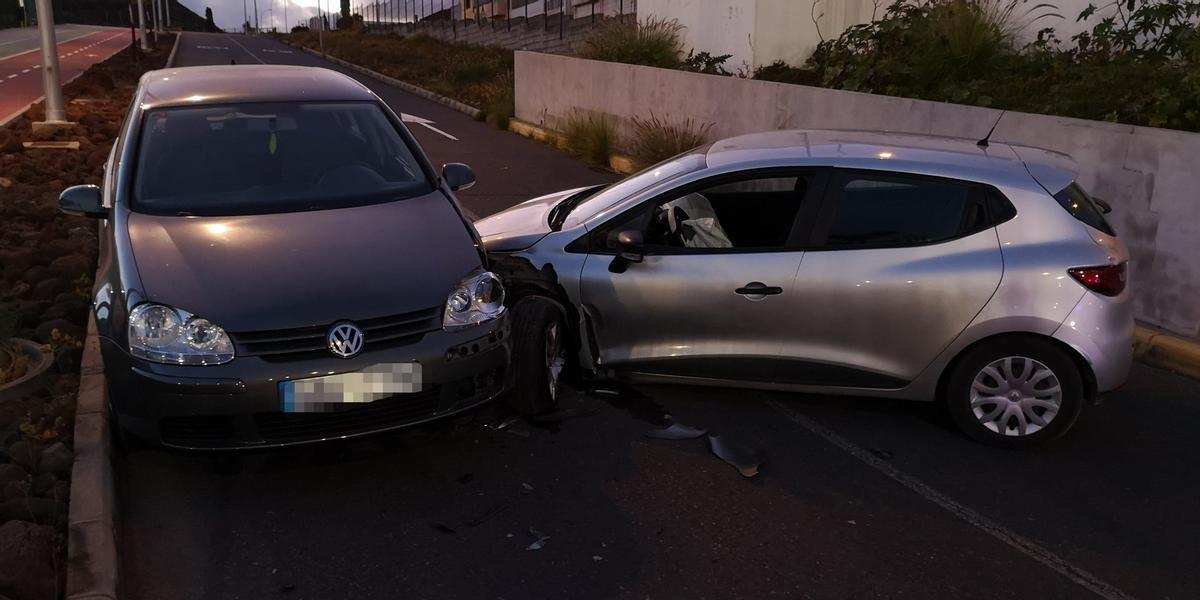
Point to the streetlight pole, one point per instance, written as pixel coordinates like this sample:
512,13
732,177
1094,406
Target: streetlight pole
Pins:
168,3
256,17
141,26
54,97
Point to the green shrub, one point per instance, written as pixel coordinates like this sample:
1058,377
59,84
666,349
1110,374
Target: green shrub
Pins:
703,62
1139,66
784,73
655,140
590,136
653,42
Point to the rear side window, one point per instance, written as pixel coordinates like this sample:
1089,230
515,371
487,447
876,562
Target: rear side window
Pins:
888,211
1076,201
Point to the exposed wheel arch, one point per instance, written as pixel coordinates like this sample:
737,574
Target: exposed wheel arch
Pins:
1085,369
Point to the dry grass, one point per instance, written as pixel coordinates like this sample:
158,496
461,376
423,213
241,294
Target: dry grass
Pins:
590,136
655,139
653,42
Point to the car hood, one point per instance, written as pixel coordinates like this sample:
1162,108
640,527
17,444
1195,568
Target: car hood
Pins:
522,225
279,271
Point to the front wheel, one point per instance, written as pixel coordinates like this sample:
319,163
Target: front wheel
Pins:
539,356
1015,392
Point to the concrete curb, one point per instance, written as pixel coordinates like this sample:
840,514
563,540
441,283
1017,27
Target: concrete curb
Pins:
91,535
174,49
616,162
1160,349
461,107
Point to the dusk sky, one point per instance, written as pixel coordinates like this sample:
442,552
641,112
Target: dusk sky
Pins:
228,13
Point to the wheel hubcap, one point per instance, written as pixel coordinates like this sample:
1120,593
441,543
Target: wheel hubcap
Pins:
1015,396
556,357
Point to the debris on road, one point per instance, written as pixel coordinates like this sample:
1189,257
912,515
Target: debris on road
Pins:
561,415
527,487
444,528
745,460
539,542
493,510
676,431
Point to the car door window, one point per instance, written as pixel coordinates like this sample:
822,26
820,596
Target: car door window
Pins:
879,211
755,212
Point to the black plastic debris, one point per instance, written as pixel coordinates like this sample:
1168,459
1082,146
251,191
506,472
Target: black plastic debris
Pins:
745,460
676,431
561,415
540,540
444,528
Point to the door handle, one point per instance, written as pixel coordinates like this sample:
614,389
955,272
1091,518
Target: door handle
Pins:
758,288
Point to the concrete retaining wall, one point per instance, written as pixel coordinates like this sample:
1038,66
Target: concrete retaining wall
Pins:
541,33
1150,176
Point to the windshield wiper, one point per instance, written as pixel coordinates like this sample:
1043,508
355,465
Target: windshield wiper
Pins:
558,214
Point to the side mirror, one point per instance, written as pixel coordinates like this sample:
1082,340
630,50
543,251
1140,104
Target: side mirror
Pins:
83,201
630,246
458,176
1104,207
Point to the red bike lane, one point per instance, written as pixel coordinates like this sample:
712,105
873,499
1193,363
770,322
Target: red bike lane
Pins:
21,74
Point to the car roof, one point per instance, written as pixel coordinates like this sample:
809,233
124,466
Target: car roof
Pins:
223,84
997,163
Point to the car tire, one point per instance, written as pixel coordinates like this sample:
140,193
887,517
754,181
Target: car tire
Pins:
124,442
1015,392
539,356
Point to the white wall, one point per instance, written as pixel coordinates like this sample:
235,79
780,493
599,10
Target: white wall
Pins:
758,32
1149,175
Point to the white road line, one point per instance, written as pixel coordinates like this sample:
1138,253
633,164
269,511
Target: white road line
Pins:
13,75
1023,545
24,70
239,45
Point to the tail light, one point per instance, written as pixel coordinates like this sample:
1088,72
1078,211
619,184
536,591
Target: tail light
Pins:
1108,280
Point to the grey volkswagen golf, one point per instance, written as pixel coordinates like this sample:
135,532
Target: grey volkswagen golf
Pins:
281,264
977,274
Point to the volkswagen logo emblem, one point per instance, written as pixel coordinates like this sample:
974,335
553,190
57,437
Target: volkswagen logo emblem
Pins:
345,340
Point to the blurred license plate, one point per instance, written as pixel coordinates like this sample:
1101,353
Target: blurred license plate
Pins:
334,392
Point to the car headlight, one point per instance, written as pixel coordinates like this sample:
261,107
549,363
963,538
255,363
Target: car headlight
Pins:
171,336
477,299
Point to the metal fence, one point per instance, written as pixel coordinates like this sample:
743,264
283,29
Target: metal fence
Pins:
411,15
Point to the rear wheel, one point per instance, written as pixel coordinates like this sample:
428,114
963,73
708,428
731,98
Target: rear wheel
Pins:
1015,392
539,356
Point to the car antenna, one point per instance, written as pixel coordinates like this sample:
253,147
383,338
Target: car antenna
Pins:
984,142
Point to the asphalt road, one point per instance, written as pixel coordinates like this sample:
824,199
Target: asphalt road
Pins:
79,47
510,169
857,498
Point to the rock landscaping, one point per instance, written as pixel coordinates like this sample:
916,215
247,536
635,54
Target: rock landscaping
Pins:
47,263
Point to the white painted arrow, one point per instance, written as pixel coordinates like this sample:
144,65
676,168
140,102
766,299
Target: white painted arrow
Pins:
426,123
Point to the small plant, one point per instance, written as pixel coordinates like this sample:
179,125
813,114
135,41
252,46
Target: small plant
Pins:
703,62
14,363
653,42
590,136
502,104
784,73
655,140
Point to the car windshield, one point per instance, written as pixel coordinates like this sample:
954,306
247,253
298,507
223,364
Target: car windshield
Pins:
672,168
270,158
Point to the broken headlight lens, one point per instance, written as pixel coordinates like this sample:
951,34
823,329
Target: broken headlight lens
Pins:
477,299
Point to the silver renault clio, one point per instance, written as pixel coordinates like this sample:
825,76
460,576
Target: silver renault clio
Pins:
976,274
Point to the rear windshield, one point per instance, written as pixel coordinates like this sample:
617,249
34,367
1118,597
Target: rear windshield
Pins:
1080,205
271,157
